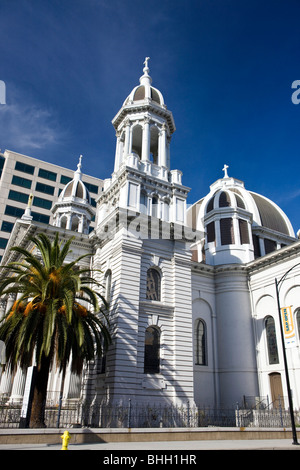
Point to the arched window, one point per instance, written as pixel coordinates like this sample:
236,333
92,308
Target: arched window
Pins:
137,133
63,222
155,207
200,343
153,284
75,224
152,350
224,200
271,340
154,144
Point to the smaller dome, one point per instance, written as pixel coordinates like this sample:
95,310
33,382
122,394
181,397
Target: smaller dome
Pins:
230,194
76,188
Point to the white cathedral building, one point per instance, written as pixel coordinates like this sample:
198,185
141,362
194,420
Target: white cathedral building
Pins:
193,307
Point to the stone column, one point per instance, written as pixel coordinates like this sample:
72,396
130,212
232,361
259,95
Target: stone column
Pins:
146,140
18,386
117,154
163,147
127,140
6,383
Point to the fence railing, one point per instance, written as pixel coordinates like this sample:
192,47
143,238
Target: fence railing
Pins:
139,415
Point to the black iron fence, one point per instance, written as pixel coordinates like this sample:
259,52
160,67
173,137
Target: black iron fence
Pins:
75,413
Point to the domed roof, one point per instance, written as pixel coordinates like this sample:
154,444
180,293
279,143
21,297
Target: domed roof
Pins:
145,90
76,188
230,193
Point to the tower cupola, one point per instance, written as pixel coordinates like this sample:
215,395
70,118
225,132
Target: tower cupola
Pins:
144,127
142,180
73,210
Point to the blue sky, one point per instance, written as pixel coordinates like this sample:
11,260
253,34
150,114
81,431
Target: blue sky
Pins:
225,68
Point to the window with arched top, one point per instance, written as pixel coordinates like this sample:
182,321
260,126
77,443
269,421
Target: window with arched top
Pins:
224,200
155,206
200,343
152,350
137,133
75,224
63,222
154,144
271,340
210,204
153,291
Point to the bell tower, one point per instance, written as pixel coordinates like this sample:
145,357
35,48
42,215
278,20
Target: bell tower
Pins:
141,242
142,180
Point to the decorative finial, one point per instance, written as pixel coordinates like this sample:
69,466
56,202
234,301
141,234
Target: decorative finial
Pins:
30,198
78,171
27,214
146,62
225,171
146,79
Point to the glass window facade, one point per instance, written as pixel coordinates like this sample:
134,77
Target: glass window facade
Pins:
49,175
44,188
23,182
24,167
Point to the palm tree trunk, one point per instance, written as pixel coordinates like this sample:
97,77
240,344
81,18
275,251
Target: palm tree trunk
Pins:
37,418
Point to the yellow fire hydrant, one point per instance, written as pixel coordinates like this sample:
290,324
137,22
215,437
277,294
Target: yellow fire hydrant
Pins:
65,440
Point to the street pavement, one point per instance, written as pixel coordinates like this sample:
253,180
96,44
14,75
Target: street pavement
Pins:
263,444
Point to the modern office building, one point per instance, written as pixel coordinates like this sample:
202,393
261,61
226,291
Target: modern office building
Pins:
21,176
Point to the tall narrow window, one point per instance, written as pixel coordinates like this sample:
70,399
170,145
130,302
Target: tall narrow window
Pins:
153,284
244,233
211,233
271,340
227,234
155,207
152,350
200,343
143,203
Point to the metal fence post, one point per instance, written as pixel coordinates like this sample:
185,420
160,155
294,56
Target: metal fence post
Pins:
129,413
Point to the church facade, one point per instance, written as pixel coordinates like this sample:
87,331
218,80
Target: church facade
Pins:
193,305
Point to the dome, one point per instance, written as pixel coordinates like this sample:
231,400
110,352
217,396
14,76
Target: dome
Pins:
271,216
145,90
230,192
239,225
76,188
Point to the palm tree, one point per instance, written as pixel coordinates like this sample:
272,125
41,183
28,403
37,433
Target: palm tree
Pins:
59,315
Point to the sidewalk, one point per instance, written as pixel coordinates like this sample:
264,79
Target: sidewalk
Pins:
263,444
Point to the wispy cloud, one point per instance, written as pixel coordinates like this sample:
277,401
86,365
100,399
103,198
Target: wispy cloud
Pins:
26,126
289,196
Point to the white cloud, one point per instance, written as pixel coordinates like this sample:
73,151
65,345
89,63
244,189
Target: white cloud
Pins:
27,126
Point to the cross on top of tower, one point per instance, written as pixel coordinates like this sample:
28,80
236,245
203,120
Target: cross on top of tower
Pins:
225,171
